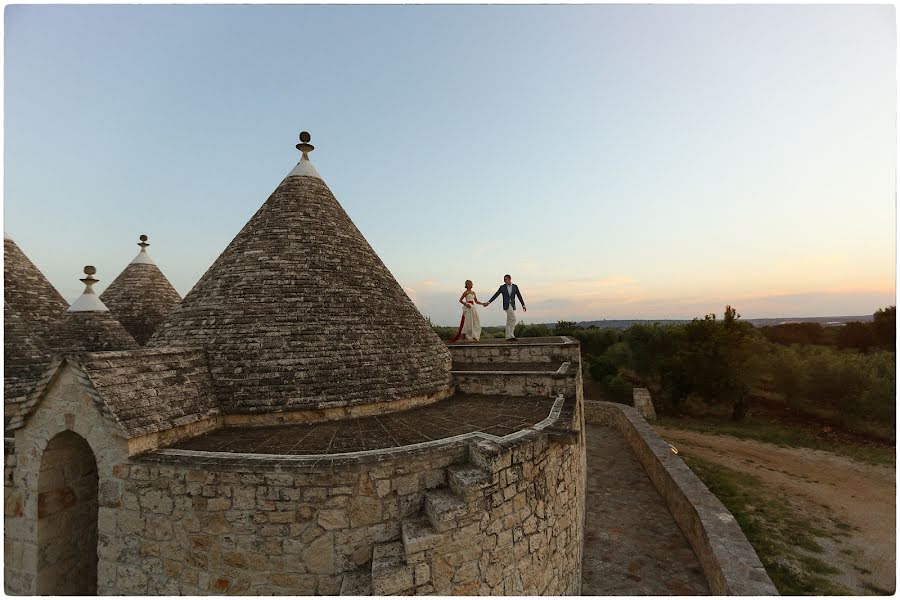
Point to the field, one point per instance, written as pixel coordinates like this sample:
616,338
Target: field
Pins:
821,522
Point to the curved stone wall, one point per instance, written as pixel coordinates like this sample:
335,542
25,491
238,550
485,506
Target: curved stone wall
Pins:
470,517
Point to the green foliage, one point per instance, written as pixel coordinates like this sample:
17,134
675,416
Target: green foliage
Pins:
536,330
795,333
856,335
565,327
885,327
719,365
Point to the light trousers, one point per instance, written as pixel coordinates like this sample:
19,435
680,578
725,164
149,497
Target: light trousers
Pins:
510,322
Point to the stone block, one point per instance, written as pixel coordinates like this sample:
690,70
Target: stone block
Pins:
391,575
443,509
364,510
333,519
319,555
419,535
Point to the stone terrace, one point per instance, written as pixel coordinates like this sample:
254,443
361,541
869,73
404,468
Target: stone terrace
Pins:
462,414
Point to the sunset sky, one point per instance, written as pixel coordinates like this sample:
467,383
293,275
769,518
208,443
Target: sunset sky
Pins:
619,161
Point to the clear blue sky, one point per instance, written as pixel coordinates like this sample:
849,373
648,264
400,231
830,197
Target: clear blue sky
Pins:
619,161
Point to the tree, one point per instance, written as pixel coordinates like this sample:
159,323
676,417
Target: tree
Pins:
565,327
857,336
885,325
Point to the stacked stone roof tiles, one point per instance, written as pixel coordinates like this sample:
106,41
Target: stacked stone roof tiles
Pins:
299,311
28,292
141,297
151,390
89,332
25,358
88,325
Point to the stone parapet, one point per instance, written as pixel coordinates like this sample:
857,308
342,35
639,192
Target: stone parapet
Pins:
729,562
528,350
643,403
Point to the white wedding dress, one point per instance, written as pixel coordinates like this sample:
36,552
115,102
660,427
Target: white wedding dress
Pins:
472,324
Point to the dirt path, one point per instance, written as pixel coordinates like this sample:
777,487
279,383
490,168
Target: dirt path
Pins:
827,486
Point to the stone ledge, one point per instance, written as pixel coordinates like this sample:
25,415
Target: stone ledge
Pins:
561,416
556,340
730,563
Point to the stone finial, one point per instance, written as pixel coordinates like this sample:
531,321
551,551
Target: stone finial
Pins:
89,281
143,258
305,147
88,301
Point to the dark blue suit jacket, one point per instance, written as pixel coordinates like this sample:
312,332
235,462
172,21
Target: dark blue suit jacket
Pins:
506,298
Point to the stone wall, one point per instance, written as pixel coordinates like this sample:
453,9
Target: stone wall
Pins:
28,541
476,518
729,561
527,350
479,515
549,383
476,514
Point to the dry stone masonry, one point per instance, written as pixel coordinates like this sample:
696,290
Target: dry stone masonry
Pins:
141,297
28,292
293,427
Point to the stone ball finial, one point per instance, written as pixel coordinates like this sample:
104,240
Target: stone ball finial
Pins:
143,237
89,279
305,147
143,243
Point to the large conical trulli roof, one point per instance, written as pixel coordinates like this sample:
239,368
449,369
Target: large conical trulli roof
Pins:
88,326
299,311
25,358
28,292
141,297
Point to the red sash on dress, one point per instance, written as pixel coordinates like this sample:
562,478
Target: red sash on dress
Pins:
462,321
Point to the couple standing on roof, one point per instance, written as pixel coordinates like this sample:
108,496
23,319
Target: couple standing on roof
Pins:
470,324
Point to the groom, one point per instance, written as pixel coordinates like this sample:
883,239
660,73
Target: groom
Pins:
510,291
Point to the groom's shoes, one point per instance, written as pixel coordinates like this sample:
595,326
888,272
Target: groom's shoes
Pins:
512,339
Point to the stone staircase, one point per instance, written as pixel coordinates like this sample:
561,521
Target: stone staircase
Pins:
450,516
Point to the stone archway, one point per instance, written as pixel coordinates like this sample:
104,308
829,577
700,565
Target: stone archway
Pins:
67,518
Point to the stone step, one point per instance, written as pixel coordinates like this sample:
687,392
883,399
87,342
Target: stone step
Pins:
357,583
443,508
391,576
489,456
466,480
419,535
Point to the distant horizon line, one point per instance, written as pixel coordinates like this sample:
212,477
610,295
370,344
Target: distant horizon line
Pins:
869,316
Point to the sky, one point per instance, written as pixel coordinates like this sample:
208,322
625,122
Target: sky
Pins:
619,161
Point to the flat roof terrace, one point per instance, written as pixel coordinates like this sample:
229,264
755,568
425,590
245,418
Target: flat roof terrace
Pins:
462,414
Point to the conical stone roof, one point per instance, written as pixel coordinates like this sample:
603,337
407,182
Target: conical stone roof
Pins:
25,358
300,312
88,325
28,292
141,297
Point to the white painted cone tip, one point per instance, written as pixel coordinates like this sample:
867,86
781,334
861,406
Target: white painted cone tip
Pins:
88,303
304,168
142,258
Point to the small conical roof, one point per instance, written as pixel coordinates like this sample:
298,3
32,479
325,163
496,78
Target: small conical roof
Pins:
28,292
141,297
88,325
25,358
299,311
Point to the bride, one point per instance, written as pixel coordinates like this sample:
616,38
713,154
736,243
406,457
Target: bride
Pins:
470,324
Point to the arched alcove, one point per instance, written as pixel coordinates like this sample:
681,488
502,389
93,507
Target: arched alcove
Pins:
67,518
